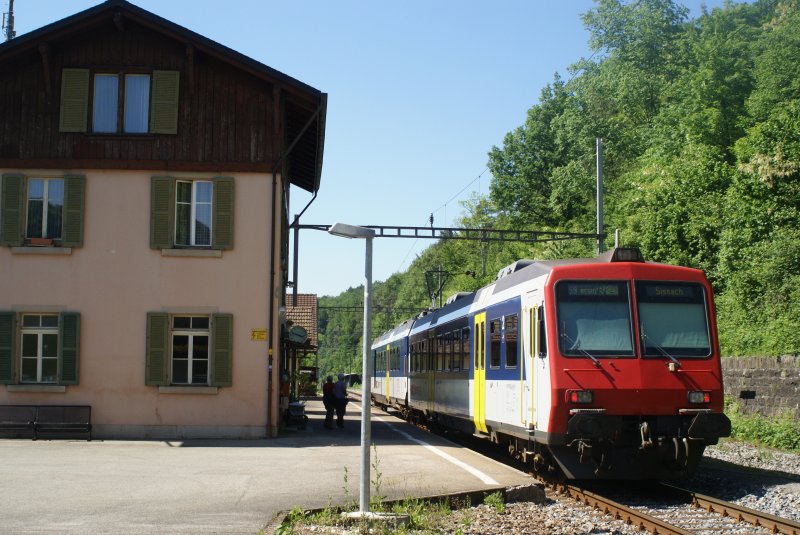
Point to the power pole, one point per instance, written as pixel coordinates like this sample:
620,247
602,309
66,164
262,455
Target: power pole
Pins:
8,21
600,245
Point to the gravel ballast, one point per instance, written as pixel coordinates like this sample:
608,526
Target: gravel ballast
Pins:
758,478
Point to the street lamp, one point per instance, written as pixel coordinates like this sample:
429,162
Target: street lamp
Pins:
352,231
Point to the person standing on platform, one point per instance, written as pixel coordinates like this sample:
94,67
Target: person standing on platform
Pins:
329,400
340,391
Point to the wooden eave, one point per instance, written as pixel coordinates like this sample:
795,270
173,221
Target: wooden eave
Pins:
303,103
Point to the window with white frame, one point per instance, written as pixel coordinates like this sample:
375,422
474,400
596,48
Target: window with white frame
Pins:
190,350
39,348
45,207
193,202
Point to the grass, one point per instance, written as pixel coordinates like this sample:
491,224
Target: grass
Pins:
423,516
782,432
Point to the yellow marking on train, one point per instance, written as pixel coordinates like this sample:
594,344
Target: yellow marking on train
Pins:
479,382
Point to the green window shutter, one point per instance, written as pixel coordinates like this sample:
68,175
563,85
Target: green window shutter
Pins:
223,213
69,338
157,349
74,187
161,210
222,340
164,102
74,100
12,192
8,335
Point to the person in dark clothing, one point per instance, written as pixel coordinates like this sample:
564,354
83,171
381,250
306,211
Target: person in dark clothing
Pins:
329,400
340,391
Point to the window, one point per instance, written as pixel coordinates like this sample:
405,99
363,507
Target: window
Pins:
457,350
135,98
38,210
191,213
512,327
673,319
465,348
190,335
39,348
189,350
48,350
594,318
122,103
45,208
494,339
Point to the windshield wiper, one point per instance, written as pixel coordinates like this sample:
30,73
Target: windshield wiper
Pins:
647,343
573,342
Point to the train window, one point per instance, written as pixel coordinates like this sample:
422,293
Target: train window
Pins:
512,328
542,347
494,339
439,352
456,350
673,319
465,348
446,352
594,319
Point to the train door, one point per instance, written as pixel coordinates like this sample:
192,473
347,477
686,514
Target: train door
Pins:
388,371
530,309
479,373
431,375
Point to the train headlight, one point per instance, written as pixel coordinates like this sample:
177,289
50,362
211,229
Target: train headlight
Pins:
698,397
580,396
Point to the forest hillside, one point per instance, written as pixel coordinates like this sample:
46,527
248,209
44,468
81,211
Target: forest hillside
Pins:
700,121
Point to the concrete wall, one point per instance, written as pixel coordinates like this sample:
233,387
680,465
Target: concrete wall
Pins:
768,386
115,279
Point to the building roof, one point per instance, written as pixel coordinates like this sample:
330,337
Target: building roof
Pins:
304,314
305,106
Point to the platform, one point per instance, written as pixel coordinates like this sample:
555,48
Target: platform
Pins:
227,486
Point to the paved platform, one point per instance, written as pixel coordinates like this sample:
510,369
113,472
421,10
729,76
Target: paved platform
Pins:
202,486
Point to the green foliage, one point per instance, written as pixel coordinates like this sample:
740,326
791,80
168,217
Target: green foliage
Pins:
782,432
699,120
496,502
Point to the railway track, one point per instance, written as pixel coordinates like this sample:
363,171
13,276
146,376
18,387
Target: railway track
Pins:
667,509
662,509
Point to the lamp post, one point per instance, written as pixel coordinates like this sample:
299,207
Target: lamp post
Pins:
352,231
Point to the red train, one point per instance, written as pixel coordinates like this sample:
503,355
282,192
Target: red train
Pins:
600,368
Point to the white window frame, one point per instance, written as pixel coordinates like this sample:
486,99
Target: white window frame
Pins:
191,333
193,213
45,204
39,332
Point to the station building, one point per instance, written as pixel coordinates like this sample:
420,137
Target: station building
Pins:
145,174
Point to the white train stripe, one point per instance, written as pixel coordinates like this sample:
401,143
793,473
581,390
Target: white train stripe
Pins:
446,456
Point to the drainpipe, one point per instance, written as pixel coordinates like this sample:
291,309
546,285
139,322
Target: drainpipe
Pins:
273,417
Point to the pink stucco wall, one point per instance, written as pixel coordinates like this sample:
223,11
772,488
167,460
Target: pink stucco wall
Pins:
115,279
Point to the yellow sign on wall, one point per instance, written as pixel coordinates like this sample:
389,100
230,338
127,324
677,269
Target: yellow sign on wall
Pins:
258,334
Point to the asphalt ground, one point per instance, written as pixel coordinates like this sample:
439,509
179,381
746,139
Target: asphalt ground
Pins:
226,486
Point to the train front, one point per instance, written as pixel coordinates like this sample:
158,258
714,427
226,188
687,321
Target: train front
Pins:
636,375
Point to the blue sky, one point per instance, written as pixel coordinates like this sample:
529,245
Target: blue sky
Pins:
418,92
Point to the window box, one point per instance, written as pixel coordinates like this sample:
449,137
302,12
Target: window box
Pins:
40,242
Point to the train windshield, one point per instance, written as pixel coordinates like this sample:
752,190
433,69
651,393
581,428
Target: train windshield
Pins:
594,317
673,319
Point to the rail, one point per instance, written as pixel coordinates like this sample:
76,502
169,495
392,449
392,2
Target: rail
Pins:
772,523
620,512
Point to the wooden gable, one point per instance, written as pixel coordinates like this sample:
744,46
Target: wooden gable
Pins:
233,113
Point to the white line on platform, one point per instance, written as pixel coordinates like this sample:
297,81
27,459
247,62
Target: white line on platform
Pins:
446,456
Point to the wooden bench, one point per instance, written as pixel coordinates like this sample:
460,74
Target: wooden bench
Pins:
18,420
61,420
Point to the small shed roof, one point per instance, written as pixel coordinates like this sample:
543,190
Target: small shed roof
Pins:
304,314
305,106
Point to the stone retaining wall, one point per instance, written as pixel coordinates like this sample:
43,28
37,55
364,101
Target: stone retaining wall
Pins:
768,386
